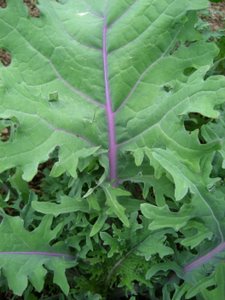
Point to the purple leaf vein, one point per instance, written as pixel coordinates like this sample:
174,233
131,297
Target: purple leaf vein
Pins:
112,153
205,258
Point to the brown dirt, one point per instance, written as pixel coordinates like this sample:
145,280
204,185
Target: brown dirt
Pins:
5,134
35,183
216,19
5,57
3,3
33,10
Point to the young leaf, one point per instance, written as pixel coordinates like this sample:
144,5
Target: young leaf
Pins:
114,206
162,217
153,244
24,254
111,242
98,224
66,205
163,267
194,232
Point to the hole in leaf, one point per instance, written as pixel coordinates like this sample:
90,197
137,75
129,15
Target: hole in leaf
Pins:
135,189
189,71
3,3
167,88
35,183
211,288
175,48
5,57
33,10
188,43
61,1
195,121
8,128
5,134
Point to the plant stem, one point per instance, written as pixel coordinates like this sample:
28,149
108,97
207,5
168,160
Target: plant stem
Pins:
112,153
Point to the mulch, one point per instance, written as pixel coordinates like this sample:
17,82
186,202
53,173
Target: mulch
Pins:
3,3
5,57
216,18
33,10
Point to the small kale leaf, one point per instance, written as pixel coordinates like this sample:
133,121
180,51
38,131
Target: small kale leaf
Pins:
27,255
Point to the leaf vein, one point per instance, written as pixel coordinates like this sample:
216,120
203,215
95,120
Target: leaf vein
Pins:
135,86
159,120
58,75
140,35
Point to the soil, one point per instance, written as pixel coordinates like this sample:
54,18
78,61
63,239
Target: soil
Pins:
216,18
5,57
5,134
35,183
3,3
33,10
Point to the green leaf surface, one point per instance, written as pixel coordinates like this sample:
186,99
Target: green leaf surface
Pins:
66,205
107,46
205,288
107,89
28,255
114,206
163,267
219,291
162,217
194,233
111,242
206,204
98,224
153,244
215,132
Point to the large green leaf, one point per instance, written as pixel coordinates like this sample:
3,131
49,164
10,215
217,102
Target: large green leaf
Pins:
216,131
205,203
219,291
204,287
28,255
106,64
114,81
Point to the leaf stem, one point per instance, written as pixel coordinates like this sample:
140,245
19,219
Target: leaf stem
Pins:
205,258
112,153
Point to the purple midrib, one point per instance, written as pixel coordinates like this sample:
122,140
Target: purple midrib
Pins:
205,258
39,253
112,152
